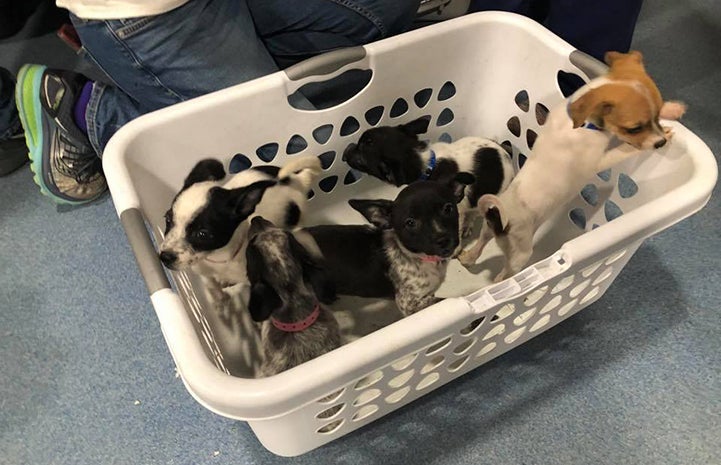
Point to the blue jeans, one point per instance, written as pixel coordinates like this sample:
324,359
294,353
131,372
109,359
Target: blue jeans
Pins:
594,27
207,45
9,121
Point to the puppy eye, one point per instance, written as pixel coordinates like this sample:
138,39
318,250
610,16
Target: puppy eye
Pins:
168,219
202,234
634,130
448,209
411,224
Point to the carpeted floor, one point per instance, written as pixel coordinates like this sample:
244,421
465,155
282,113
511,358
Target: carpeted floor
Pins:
86,378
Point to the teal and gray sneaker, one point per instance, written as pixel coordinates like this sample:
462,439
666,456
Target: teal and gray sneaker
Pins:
66,167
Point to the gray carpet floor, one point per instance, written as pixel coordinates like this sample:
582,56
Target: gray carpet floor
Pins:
633,379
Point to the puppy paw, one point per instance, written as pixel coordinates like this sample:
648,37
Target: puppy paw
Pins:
668,132
499,277
467,258
672,110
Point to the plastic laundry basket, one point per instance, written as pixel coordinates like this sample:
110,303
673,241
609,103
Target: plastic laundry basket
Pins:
490,74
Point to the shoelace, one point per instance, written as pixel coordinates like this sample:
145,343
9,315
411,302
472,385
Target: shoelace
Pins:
74,163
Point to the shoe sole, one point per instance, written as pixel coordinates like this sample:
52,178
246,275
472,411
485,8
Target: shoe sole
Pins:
27,98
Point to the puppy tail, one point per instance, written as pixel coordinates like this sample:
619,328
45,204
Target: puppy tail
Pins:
494,212
301,171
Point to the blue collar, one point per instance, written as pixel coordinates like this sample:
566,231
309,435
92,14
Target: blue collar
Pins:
585,125
429,169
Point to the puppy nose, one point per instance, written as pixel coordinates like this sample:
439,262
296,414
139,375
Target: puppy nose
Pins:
349,152
168,258
660,143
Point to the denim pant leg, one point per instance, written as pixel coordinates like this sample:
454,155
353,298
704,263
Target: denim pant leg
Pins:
156,61
9,121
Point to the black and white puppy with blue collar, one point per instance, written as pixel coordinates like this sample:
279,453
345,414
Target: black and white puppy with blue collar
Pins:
395,154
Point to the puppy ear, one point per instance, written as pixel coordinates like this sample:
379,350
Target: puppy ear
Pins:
417,126
257,225
590,103
377,212
459,182
243,200
314,272
263,301
209,169
634,55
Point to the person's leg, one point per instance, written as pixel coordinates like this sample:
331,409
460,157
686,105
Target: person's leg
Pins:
514,6
595,27
13,153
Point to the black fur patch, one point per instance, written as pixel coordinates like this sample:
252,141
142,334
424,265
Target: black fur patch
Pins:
488,170
493,217
292,214
270,170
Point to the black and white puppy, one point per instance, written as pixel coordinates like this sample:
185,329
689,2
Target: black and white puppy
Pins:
206,227
289,289
404,255
396,155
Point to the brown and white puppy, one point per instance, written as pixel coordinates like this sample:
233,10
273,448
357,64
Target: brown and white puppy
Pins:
608,120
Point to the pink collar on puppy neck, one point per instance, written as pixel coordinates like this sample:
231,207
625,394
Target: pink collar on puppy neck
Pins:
431,258
298,325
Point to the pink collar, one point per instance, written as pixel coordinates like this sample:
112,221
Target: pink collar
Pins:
300,325
431,258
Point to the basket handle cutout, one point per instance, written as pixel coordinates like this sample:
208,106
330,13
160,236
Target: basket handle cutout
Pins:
592,67
145,254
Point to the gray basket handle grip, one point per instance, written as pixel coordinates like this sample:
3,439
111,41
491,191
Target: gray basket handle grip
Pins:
144,251
325,63
588,64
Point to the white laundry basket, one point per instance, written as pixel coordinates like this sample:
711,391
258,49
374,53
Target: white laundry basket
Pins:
489,74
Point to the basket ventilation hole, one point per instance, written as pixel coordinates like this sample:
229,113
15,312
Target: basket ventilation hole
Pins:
351,177
445,137
438,346
366,397
590,194
331,397
589,270
327,184
553,303
578,217
591,294
267,152
543,321
605,175
566,308
405,362
506,144
524,317
603,276
486,349
521,100
498,329
511,338
514,125
239,163
398,395
472,326
612,211
296,144
626,186
503,312
541,114
531,138
615,257
330,412
401,379
447,91
374,115
521,160
457,364
349,126
568,83
365,412
399,108
462,348
326,159
445,117
422,97
322,134
369,380
432,364
562,284
427,381
330,427
535,296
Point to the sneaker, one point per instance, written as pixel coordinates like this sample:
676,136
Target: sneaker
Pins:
13,153
66,167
